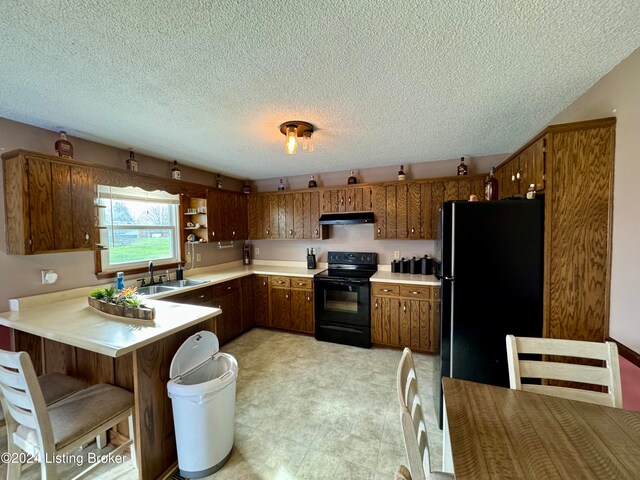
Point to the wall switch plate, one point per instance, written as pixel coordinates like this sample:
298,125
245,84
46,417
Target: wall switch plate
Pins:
396,254
257,251
198,257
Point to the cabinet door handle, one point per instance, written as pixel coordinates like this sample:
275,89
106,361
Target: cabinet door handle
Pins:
228,288
316,231
379,231
233,232
291,231
267,230
308,298
413,230
86,237
300,284
280,282
341,200
213,233
349,200
202,296
376,304
386,290
415,293
404,307
264,283
286,295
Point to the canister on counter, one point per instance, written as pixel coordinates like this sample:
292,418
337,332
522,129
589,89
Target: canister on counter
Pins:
415,266
395,266
404,266
426,265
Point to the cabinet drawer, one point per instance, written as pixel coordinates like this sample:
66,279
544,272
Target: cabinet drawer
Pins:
415,291
280,281
387,289
300,282
226,288
194,297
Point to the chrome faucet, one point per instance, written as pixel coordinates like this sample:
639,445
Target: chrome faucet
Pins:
152,280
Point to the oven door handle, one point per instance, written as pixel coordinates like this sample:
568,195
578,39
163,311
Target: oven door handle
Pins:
341,283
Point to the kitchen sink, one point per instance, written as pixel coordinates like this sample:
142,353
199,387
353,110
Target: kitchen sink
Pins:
153,289
184,283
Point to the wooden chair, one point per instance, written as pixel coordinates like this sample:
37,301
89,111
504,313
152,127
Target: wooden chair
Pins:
608,376
55,387
64,426
402,473
414,427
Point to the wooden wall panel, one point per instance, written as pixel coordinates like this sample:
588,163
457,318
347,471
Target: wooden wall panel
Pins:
59,358
579,238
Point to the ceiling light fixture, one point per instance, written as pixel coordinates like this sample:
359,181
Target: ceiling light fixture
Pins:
294,129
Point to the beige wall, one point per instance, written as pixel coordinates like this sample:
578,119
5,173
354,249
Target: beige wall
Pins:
618,94
20,274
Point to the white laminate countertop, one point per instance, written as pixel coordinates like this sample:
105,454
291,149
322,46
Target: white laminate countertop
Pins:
74,322
405,278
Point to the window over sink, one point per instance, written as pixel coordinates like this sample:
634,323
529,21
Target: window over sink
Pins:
137,226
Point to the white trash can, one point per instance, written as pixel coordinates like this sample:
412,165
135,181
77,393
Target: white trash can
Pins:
203,394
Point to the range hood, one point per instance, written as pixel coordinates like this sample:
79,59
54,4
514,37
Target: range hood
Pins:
345,218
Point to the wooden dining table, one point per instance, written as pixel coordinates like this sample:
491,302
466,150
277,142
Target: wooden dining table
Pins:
497,432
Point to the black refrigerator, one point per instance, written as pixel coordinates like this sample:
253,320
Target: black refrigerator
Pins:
491,278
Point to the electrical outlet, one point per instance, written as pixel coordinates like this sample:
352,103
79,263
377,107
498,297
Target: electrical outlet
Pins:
198,257
396,254
257,251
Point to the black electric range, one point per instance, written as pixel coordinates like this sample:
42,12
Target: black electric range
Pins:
343,298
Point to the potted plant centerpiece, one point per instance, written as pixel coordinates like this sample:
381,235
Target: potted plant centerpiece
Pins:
123,303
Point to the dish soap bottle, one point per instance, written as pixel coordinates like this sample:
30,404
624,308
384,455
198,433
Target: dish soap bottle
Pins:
120,281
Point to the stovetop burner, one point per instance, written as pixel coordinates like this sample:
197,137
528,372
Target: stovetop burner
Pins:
350,265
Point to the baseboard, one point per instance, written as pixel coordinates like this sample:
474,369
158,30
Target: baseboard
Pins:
626,352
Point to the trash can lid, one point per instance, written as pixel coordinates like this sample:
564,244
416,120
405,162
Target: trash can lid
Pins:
194,351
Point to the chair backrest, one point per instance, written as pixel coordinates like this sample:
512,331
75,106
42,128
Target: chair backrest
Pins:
414,427
608,376
402,473
22,398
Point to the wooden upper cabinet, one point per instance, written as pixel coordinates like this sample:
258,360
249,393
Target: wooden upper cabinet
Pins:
227,216
346,199
285,216
525,168
49,205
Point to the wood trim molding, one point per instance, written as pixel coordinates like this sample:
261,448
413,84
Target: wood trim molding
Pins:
559,128
132,271
626,352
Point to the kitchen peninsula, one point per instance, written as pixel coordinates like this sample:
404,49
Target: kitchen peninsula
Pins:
68,336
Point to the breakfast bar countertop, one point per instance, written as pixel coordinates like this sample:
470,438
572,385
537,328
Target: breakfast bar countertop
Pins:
74,322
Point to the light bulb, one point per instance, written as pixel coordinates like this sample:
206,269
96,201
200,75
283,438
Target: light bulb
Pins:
292,140
307,144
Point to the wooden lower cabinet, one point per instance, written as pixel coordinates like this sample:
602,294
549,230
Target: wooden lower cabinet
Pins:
406,316
292,304
261,300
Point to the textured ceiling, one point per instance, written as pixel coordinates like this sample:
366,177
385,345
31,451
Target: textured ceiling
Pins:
385,82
